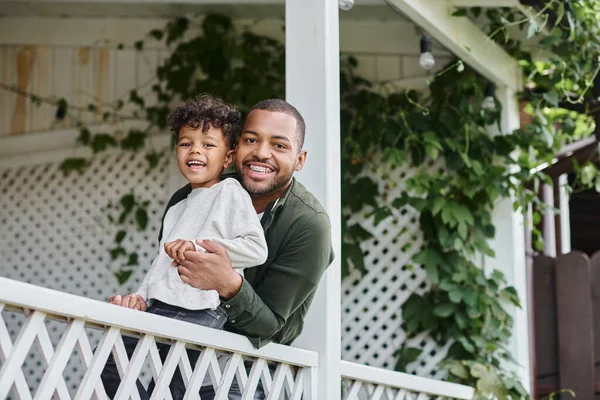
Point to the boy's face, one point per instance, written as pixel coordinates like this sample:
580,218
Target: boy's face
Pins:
267,153
202,156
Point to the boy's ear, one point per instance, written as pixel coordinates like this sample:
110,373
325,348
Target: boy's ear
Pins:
229,157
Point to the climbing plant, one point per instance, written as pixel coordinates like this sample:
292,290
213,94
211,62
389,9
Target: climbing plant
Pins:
447,126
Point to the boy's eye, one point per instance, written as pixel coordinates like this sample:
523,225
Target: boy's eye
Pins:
184,144
209,145
251,140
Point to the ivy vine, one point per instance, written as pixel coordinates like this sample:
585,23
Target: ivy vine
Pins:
447,127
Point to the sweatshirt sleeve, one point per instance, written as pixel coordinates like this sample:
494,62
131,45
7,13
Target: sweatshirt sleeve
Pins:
242,234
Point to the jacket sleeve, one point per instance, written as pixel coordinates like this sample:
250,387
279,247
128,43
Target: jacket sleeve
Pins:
260,312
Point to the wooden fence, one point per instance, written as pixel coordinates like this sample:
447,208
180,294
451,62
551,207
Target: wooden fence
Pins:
566,307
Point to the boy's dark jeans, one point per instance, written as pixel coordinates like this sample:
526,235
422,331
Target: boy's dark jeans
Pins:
210,318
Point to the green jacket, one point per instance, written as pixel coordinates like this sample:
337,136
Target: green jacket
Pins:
275,296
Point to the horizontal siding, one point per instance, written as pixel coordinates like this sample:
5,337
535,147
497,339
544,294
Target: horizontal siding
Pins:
82,75
100,74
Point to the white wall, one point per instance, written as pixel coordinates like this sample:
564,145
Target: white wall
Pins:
80,62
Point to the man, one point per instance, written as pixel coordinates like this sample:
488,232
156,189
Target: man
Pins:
270,302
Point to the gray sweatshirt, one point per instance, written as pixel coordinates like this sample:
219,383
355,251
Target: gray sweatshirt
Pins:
222,213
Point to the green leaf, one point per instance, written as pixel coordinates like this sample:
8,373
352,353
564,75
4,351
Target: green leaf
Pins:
153,158
510,293
127,202
551,97
73,164
123,276
139,45
120,236
438,203
380,214
62,108
157,34
459,370
84,137
101,141
549,41
132,260
135,140
352,259
455,296
117,252
444,310
461,12
141,218
433,273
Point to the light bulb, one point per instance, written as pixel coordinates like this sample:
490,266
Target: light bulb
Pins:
346,5
426,61
488,103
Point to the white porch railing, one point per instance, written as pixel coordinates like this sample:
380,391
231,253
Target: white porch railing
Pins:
362,382
283,372
294,369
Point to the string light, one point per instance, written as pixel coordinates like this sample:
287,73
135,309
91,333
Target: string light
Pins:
489,102
346,5
426,61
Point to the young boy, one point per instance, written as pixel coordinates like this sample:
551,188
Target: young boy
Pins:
216,210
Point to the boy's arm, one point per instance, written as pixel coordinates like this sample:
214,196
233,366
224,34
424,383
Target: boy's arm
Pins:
242,235
261,311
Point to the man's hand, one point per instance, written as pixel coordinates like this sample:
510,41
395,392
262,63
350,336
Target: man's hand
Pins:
210,271
133,301
177,248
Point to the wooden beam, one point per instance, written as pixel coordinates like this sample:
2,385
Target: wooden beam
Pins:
463,38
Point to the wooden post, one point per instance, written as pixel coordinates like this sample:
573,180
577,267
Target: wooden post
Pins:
546,340
575,327
596,315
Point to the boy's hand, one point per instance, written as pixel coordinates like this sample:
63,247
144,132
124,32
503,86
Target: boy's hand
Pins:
175,249
133,301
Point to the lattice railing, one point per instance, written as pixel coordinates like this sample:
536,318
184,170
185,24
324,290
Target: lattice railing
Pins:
223,357
361,382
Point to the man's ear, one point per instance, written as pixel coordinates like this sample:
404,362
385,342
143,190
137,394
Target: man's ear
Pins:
300,160
229,159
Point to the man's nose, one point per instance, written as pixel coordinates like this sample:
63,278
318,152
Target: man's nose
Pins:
262,151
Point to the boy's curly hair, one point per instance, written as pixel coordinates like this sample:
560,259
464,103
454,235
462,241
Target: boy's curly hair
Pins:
204,111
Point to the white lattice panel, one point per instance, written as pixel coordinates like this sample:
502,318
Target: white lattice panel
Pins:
55,234
371,305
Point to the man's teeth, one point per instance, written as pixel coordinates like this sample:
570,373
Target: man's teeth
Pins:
260,170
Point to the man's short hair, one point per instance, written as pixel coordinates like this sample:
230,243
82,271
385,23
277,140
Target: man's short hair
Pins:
282,106
204,111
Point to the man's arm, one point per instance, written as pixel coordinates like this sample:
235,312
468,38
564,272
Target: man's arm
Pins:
260,312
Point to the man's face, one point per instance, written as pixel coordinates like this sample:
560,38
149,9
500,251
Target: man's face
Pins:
202,156
267,153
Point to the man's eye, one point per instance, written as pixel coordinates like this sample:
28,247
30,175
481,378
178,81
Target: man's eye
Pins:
280,146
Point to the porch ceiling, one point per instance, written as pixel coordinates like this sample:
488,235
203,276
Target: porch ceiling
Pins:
363,10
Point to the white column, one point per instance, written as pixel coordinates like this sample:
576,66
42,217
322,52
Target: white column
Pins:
312,85
565,214
549,230
509,246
